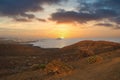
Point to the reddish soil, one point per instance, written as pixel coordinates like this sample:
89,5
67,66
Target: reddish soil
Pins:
25,62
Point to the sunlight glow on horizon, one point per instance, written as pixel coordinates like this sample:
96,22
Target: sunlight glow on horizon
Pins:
53,30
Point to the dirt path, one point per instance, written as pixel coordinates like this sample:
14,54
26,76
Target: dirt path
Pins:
103,71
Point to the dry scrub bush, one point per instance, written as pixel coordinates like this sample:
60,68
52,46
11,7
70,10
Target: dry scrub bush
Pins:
57,67
38,66
94,59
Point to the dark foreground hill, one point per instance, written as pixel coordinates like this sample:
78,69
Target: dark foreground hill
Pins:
85,60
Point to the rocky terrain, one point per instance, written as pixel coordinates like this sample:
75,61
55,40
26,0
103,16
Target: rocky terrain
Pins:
85,60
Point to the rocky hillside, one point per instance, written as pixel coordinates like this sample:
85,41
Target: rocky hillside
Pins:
101,59
88,48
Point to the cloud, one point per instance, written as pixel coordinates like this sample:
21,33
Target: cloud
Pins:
93,10
22,20
18,8
28,20
42,20
110,25
116,19
117,27
104,24
82,17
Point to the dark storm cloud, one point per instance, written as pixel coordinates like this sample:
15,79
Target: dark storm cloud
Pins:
18,8
115,4
90,10
82,17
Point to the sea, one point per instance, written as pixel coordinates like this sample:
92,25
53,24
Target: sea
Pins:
60,43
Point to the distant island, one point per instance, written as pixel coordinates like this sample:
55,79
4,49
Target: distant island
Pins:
59,38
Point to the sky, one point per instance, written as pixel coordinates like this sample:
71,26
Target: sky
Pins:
60,18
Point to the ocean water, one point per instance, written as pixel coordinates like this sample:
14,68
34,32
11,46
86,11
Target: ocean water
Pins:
59,43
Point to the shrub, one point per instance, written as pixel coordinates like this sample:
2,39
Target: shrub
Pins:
57,67
94,59
38,66
42,66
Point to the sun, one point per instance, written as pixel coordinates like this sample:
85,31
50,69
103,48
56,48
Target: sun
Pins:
62,37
